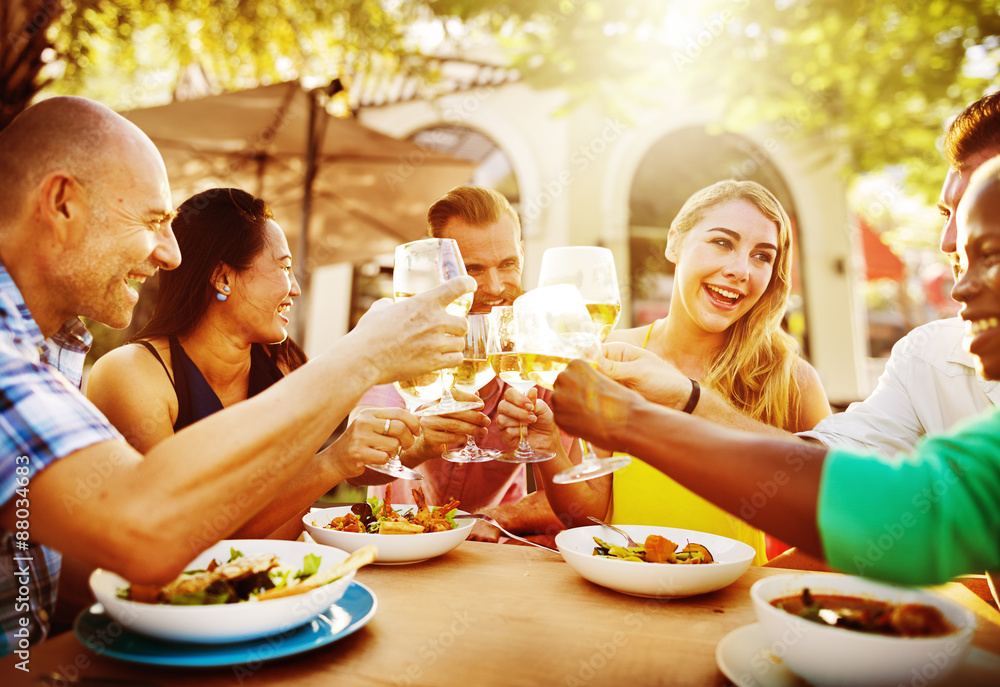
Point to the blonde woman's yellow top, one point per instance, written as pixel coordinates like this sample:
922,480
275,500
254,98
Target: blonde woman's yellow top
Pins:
642,495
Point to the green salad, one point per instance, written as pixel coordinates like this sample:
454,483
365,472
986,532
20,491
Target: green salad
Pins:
237,580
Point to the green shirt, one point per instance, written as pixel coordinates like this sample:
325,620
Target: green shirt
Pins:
921,518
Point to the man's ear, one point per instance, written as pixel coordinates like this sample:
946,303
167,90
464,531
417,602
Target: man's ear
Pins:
64,206
673,239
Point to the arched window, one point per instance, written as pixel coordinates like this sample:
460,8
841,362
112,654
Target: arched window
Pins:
677,165
493,170
373,280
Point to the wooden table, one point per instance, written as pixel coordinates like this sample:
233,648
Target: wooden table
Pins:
489,614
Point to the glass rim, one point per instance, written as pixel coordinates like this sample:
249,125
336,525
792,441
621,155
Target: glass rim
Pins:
592,249
427,240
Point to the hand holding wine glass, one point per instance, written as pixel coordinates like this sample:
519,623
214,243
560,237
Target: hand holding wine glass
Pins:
554,327
473,374
504,361
420,266
374,433
431,337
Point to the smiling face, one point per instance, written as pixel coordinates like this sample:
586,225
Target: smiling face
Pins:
955,185
128,239
724,263
262,295
493,256
978,287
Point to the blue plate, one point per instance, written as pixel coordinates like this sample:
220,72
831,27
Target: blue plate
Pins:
98,631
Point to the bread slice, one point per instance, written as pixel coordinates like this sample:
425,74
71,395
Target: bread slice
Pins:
358,559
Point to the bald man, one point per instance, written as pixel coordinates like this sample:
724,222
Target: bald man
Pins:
85,214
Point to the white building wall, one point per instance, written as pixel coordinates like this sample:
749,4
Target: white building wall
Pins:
838,331
329,306
575,172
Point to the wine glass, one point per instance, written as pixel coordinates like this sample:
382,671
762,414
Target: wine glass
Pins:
420,266
554,326
503,360
592,271
410,394
473,374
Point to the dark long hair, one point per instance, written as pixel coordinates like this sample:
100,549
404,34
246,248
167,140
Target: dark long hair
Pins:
214,227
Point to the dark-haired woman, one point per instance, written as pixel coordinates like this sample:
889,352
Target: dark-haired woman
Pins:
217,337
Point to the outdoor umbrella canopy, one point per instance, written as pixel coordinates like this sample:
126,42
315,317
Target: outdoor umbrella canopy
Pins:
360,192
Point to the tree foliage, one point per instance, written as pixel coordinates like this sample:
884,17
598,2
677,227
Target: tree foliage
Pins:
237,40
145,43
875,79
24,28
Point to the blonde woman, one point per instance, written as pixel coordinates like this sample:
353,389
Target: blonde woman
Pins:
731,244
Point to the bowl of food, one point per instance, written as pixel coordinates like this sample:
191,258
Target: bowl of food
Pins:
402,533
668,563
235,591
837,630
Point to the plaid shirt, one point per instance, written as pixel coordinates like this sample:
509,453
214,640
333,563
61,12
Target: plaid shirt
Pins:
43,417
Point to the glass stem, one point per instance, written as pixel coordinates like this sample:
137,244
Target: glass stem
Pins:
588,452
394,461
448,381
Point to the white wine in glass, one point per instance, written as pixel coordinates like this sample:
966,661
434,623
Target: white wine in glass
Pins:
591,270
505,363
604,316
554,327
425,388
473,374
420,266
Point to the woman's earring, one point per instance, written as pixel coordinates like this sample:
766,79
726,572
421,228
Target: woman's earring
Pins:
223,296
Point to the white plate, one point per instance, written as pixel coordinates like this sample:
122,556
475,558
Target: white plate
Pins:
745,658
97,631
222,623
392,548
655,580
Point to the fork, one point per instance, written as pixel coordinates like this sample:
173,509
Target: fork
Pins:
486,518
631,542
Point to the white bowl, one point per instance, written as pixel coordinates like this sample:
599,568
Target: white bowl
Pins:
832,656
654,580
392,548
222,623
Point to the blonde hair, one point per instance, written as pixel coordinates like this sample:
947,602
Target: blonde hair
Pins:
756,367
477,206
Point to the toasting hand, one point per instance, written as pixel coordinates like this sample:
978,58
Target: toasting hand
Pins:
415,336
649,374
591,406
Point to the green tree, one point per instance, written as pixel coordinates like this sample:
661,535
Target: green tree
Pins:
24,27
874,79
239,42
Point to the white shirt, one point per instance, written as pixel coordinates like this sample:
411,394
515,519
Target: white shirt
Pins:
929,384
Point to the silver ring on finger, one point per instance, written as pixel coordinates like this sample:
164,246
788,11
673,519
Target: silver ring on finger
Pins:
385,427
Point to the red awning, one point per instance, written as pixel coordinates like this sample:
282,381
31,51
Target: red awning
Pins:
880,261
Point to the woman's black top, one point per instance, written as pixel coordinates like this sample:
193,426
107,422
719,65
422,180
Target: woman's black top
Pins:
195,398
